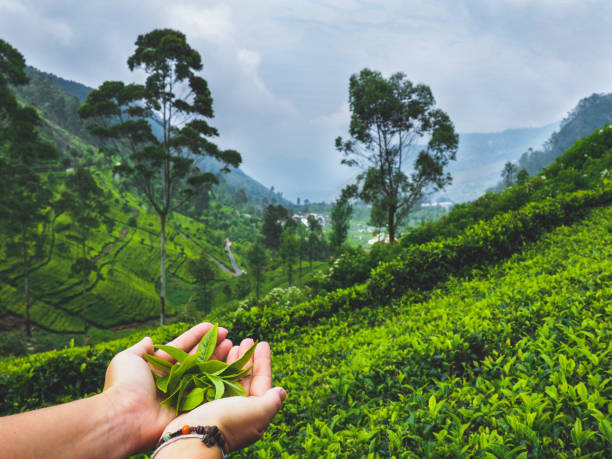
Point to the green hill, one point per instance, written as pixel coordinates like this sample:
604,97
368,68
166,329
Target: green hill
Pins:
490,341
122,291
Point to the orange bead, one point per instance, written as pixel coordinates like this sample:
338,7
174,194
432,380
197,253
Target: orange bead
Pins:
185,429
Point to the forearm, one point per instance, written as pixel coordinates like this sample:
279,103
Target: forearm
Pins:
191,448
90,427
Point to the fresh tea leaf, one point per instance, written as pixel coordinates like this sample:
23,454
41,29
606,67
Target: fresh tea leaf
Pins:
179,370
219,387
174,352
162,383
157,363
242,361
207,344
192,400
233,388
212,366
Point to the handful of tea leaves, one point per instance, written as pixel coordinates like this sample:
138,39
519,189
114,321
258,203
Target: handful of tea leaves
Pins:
196,379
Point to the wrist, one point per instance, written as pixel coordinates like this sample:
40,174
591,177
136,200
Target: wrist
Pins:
189,447
122,424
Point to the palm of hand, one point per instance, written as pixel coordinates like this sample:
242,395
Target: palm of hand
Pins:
131,385
241,419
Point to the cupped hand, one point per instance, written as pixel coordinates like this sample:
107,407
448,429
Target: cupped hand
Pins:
130,386
243,420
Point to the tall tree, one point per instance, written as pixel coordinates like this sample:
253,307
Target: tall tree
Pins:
257,259
85,203
290,246
315,232
388,118
341,214
203,270
272,227
25,197
509,174
161,161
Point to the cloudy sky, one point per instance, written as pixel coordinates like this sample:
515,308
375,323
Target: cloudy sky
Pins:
279,70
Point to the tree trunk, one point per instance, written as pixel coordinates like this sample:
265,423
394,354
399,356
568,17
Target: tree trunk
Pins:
391,225
162,272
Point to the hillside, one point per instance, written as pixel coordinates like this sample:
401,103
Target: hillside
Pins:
122,290
482,155
59,99
492,341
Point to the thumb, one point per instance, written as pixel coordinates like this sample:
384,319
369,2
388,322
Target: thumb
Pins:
272,399
144,346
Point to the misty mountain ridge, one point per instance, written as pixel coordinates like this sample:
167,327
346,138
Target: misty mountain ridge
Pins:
480,158
63,111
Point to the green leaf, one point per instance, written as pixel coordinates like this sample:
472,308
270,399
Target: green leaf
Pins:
234,388
202,382
236,375
432,405
219,387
207,344
192,400
185,383
174,352
162,383
606,430
212,366
242,361
157,363
179,370
171,399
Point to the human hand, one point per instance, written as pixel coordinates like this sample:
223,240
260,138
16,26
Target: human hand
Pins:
242,420
130,386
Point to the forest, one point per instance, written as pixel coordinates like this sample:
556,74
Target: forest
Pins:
481,331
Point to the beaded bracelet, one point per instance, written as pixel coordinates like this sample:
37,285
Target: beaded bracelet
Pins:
210,436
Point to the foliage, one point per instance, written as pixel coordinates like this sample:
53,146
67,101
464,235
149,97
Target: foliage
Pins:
25,195
195,378
289,251
511,361
159,165
341,213
258,260
591,113
274,218
203,271
509,174
86,205
584,165
388,117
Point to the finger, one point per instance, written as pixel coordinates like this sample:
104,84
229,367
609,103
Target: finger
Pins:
244,346
261,380
222,350
271,401
144,346
232,355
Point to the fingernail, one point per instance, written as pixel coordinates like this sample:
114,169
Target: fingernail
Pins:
282,394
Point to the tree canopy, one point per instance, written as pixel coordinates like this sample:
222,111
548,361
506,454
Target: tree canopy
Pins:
160,129
390,117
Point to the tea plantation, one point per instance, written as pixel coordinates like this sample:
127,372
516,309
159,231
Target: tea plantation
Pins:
509,359
488,334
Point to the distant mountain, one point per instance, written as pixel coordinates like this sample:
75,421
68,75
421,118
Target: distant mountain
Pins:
591,113
59,100
481,157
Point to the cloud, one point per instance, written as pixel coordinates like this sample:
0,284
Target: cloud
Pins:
279,70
